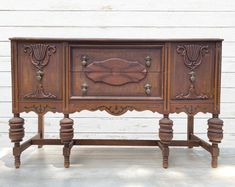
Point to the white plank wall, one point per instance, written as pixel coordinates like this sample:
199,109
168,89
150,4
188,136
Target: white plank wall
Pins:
119,19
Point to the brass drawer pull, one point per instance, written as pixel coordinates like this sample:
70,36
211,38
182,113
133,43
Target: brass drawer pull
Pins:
84,60
148,60
84,88
147,88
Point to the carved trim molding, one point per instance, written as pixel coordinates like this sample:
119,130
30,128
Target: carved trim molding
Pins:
40,57
192,55
40,109
191,109
114,110
118,110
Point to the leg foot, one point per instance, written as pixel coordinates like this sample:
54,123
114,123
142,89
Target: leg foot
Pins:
17,153
66,153
214,162
17,162
66,160
165,163
214,155
165,154
165,157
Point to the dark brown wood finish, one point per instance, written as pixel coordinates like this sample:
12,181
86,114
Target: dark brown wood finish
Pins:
70,75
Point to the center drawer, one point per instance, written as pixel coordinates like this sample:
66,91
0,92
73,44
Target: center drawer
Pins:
116,71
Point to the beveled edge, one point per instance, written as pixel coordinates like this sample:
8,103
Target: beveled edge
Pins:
116,39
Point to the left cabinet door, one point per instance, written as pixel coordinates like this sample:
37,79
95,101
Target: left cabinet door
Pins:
39,68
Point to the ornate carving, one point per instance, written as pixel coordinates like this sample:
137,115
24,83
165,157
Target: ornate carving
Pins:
191,109
116,110
192,94
66,130
40,56
192,54
115,71
40,109
215,131
16,131
165,130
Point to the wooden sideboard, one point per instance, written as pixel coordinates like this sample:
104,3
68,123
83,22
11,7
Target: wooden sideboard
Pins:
70,75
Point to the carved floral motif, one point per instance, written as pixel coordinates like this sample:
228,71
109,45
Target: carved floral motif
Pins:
192,55
114,110
40,56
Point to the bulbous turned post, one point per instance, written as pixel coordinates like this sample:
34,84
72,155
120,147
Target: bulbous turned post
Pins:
215,135
16,134
165,130
165,135
66,136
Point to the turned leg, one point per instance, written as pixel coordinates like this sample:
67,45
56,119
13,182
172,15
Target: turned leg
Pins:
66,136
190,129
16,134
215,135
41,127
165,135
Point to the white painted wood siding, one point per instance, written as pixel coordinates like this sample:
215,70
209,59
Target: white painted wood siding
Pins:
119,19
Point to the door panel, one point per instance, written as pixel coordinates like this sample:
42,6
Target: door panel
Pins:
40,71
192,73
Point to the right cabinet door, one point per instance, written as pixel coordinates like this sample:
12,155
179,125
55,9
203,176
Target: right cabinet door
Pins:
192,71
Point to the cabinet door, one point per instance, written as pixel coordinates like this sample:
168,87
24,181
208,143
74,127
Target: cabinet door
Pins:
192,71
39,71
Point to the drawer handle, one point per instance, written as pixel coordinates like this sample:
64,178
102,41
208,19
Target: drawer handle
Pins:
84,88
84,60
147,88
148,61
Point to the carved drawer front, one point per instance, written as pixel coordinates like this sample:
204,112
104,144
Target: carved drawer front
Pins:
116,71
40,71
192,74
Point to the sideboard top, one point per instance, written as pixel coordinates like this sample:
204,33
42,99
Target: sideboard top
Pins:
115,39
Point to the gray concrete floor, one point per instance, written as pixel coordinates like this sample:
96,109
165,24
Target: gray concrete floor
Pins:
117,166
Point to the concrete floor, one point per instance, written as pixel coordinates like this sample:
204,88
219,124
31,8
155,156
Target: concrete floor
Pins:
117,166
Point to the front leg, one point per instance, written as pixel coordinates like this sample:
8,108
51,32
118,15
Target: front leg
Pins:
16,134
66,136
215,135
165,135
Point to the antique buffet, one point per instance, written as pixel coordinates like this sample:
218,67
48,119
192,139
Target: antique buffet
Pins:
116,75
